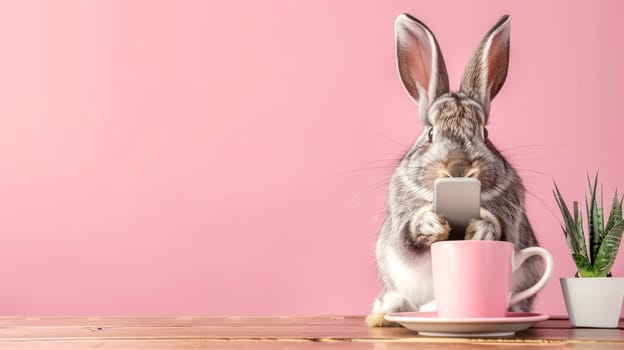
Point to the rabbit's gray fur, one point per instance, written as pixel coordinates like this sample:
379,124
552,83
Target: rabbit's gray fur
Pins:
459,147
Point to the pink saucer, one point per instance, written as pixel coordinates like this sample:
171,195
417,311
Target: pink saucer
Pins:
429,324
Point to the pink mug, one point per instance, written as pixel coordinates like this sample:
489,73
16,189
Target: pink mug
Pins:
474,278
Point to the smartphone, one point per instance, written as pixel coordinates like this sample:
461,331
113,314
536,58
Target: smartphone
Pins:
458,200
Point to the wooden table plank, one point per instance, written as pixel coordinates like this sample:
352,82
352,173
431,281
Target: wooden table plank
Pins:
186,321
298,332
163,344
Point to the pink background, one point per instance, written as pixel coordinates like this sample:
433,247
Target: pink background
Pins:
230,157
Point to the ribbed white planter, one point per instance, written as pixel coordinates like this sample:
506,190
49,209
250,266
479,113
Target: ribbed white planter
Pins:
593,301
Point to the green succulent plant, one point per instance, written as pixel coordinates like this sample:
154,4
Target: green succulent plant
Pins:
604,241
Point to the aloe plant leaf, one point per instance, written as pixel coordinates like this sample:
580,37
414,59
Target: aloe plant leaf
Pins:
598,233
608,249
568,229
578,234
593,220
570,242
615,214
583,265
572,229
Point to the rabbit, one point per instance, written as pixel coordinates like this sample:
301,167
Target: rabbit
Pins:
453,143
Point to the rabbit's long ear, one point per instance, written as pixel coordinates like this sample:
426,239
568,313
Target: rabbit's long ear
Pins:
486,72
421,65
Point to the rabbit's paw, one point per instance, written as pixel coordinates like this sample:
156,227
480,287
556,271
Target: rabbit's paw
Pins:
427,227
485,228
387,302
378,320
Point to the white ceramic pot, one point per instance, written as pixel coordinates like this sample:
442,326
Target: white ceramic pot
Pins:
593,301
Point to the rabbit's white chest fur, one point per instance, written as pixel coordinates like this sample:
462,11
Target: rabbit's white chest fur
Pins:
412,278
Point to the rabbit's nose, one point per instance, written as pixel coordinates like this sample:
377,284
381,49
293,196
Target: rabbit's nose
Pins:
459,168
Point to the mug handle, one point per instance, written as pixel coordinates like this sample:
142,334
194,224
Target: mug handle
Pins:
519,258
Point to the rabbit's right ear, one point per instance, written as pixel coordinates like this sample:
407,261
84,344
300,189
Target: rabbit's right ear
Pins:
421,65
487,70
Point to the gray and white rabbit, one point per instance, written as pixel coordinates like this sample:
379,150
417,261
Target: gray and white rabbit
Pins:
453,143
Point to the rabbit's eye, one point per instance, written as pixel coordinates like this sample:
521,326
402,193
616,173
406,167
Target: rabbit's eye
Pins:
430,135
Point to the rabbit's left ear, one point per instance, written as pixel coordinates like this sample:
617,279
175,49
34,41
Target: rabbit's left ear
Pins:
486,72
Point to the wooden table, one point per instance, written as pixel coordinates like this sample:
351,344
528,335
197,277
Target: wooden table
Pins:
312,332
